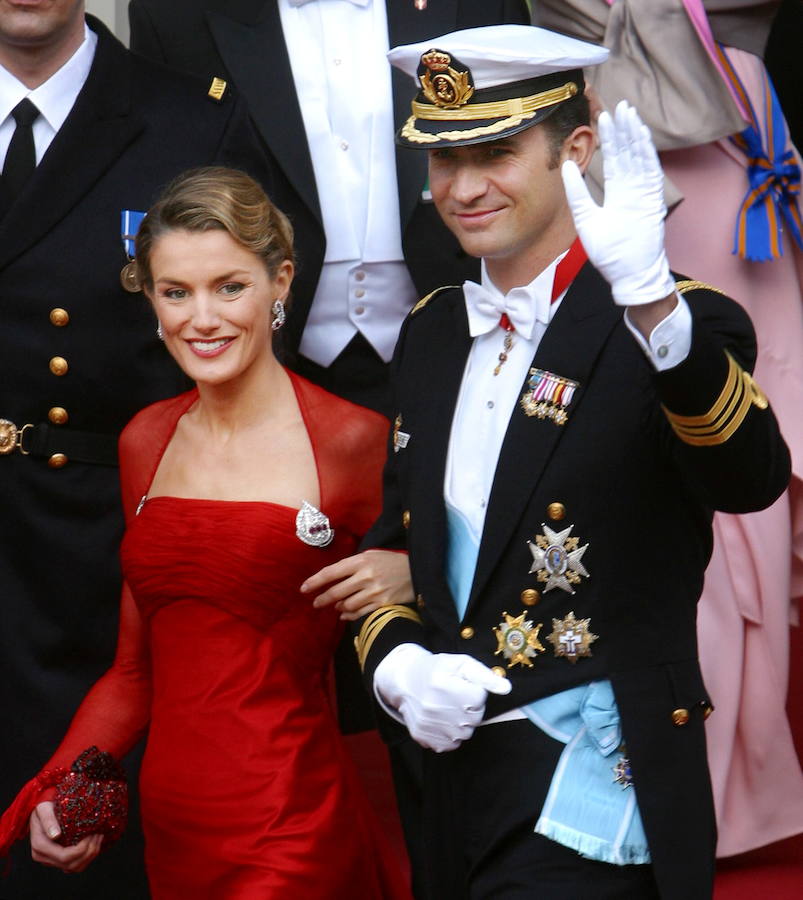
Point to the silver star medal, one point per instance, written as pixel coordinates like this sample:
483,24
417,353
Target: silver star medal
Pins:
312,526
556,559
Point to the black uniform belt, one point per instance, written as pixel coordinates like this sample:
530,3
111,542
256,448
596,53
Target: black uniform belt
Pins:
46,442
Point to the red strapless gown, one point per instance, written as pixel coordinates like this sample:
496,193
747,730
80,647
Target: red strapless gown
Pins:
247,792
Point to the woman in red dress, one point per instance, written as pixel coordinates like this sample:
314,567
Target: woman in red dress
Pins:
234,494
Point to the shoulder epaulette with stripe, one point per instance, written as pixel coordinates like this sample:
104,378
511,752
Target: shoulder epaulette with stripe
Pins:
689,285
424,300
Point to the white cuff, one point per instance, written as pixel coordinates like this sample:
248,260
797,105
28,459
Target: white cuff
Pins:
670,340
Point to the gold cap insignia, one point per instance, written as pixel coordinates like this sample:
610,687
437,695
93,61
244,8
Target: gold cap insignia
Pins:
571,638
445,81
518,640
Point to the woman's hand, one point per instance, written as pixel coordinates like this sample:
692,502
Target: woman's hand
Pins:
44,848
357,585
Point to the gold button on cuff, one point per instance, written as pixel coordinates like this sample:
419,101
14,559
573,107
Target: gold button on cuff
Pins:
498,670
59,317
419,601
707,710
556,511
58,365
530,597
467,633
57,461
406,518
680,717
58,415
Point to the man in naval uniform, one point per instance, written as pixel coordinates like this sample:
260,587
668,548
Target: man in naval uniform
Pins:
103,133
562,433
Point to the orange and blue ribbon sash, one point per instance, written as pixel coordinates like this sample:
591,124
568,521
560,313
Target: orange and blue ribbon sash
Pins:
773,175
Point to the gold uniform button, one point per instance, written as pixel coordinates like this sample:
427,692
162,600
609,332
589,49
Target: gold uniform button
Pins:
467,633
680,717
406,518
419,601
57,461
58,365
498,670
59,317
58,415
556,511
530,597
707,710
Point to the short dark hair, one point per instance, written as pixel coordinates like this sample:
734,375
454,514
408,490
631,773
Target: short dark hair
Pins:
562,122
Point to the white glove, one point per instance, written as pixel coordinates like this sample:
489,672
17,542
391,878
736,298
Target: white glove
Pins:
624,238
440,696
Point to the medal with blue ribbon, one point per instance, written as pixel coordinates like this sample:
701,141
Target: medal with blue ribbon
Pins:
130,220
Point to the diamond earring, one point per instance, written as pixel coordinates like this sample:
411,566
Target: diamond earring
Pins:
279,315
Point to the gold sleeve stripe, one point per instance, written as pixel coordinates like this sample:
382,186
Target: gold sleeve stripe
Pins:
683,286
374,624
721,422
424,300
515,106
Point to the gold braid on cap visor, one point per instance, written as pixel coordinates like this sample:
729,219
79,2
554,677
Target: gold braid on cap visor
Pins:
515,111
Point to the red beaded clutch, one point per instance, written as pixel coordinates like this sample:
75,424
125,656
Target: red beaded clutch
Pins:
92,798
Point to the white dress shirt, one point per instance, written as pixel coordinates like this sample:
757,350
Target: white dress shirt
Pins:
342,79
54,98
486,401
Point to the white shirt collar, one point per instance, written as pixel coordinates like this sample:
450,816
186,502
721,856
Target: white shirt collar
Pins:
303,2
55,97
537,296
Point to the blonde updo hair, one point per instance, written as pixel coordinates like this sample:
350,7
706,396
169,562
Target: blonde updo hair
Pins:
214,197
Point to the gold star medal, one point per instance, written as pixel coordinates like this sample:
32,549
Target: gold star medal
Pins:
571,638
556,559
518,640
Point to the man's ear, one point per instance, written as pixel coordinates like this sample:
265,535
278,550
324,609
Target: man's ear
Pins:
579,146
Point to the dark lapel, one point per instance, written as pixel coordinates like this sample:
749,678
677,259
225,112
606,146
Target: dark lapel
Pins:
98,129
407,25
255,54
570,348
444,361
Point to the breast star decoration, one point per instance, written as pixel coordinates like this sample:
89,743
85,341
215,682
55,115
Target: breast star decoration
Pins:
518,640
571,638
557,559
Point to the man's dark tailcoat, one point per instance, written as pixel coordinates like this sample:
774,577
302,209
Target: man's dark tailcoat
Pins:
242,40
638,496
134,127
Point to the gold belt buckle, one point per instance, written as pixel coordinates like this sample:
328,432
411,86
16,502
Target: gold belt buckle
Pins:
11,438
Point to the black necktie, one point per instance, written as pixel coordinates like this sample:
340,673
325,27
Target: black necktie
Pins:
21,157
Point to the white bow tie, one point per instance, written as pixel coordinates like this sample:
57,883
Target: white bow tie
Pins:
485,307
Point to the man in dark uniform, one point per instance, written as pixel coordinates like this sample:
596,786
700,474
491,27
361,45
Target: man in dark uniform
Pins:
562,433
79,357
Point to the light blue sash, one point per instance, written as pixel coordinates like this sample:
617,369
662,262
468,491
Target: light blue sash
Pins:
585,808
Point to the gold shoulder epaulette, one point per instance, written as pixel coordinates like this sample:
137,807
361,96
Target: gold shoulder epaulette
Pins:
720,423
378,619
217,90
688,285
424,300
